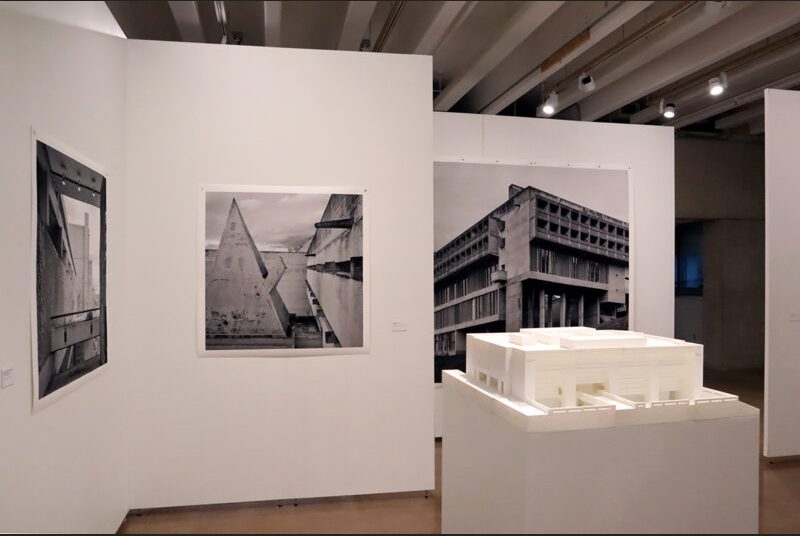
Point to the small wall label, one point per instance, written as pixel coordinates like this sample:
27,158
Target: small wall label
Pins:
6,378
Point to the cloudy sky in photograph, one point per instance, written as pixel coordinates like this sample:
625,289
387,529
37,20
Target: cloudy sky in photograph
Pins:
277,221
463,193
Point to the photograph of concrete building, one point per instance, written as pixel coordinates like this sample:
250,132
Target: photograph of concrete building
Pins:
526,247
283,272
70,322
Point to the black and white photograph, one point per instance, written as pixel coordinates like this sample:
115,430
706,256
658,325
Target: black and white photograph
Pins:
284,272
526,247
70,244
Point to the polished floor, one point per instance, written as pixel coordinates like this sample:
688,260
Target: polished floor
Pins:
414,513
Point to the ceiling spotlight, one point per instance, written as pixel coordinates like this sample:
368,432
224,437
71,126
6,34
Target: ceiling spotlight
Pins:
718,84
550,105
586,82
667,109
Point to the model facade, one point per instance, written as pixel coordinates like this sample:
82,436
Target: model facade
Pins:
557,370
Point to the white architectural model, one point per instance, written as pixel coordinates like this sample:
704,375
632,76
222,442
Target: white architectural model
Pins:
557,413
583,370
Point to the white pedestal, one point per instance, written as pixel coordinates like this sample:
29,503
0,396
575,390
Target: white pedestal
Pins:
685,476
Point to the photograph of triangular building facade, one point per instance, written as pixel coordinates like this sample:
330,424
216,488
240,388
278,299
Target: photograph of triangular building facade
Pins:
283,271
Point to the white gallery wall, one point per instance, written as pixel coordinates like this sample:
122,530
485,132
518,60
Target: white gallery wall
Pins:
64,468
782,307
647,152
212,430
164,427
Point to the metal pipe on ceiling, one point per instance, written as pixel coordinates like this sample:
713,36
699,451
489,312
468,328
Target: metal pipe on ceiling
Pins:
787,82
659,41
601,29
747,66
748,26
388,25
736,63
641,33
222,19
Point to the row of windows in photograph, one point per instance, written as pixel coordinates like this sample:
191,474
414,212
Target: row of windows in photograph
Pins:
476,279
584,217
476,308
444,343
548,261
480,228
580,235
476,249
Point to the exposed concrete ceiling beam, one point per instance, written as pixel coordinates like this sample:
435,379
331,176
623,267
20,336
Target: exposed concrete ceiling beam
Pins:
569,25
684,26
145,20
522,23
355,24
187,17
736,76
447,20
741,30
739,118
272,23
598,31
753,95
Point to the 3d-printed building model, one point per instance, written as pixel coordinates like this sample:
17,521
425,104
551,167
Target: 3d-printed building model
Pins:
537,260
574,370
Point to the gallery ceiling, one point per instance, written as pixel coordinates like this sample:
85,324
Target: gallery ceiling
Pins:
504,57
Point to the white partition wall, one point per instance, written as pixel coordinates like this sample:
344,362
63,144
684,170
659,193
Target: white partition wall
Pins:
646,151
212,430
64,468
782,307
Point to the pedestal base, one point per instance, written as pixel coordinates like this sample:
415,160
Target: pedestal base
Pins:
690,476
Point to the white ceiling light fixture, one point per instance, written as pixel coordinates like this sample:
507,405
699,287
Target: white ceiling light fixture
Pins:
551,104
667,109
586,82
718,84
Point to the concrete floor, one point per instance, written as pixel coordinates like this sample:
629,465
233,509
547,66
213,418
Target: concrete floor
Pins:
413,513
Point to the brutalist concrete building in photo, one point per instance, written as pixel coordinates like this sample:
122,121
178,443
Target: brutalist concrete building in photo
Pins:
537,260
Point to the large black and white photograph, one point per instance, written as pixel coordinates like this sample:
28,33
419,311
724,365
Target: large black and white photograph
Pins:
284,272
526,247
69,337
